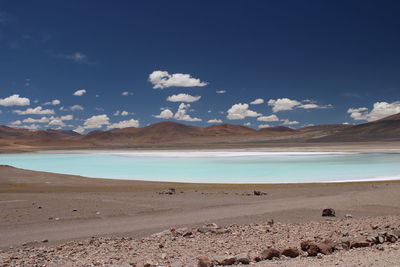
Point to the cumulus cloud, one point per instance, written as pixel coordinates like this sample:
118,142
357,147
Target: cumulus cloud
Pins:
34,111
124,124
257,101
165,114
66,117
262,126
54,102
282,104
96,121
14,100
57,122
30,127
15,123
241,111
268,118
121,113
41,120
214,121
181,113
379,111
220,91
288,122
183,98
76,108
126,93
162,79
80,92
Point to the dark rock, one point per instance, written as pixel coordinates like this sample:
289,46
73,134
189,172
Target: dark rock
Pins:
225,260
45,240
312,250
305,245
359,244
258,193
243,258
396,233
204,262
328,213
291,252
270,253
391,238
325,248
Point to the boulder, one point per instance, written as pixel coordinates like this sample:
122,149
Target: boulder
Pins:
305,245
225,260
258,193
325,248
291,252
204,262
359,244
312,250
270,253
243,258
328,212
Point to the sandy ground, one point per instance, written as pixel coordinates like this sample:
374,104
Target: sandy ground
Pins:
37,206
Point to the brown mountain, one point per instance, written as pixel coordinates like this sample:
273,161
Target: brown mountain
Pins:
228,130
278,130
386,129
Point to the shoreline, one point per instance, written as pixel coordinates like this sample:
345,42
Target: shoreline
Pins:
56,208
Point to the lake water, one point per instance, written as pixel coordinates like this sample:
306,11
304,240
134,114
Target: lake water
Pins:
216,167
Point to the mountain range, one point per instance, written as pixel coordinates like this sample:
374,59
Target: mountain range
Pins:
173,133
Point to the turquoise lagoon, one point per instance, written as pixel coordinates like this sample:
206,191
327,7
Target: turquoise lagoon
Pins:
216,167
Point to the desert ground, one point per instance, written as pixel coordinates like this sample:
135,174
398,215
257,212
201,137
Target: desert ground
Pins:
52,219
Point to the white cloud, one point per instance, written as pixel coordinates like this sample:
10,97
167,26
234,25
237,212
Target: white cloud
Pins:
34,111
76,108
241,111
257,101
220,91
162,79
165,114
282,104
41,120
288,122
80,92
262,126
54,102
380,110
247,124
66,117
181,114
15,123
214,121
183,98
126,93
121,113
57,122
96,121
14,100
268,118
77,57
30,127
79,129
124,124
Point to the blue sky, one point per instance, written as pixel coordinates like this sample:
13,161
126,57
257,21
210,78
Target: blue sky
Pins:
307,62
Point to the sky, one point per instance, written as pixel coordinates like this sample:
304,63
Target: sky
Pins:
95,64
